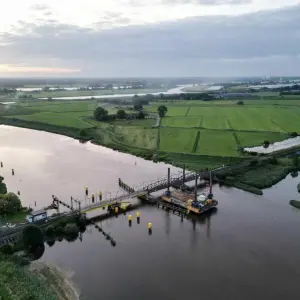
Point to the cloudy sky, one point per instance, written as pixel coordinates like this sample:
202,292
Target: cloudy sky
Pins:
122,38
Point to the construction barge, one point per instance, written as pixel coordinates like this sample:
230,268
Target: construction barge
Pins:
191,202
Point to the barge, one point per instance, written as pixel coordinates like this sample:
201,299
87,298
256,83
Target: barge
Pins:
192,202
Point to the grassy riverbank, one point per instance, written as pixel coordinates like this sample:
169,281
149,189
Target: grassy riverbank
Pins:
37,281
260,174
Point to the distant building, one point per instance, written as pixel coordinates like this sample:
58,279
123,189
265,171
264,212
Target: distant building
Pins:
38,215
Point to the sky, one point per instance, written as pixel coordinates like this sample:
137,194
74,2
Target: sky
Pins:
150,38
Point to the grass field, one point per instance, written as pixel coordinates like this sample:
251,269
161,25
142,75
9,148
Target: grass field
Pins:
215,142
73,119
177,139
182,122
214,128
136,137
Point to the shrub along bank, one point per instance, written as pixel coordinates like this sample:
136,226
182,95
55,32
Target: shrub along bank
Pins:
295,203
259,174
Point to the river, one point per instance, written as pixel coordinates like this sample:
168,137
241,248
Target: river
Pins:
172,91
248,249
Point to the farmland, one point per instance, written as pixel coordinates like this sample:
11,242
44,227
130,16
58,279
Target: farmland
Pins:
190,128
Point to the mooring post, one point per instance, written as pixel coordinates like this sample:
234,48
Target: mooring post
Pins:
79,205
183,176
169,179
210,183
196,186
72,202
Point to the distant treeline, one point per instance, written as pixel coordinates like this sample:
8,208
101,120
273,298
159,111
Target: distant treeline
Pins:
144,100
7,91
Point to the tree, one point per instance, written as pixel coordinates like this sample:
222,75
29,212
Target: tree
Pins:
141,115
83,133
13,203
121,114
32,236
100,114
50,243
138,106
162,110
266,144
3,189
10,204
293,134
296,162
240,102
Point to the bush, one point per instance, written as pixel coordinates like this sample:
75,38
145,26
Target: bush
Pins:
81,221
293,134
50,243
83,133
240,102
7,249
32,236
253,162
59,230
273,160
295,203
71,230
50,231
229,180
294,174
20,260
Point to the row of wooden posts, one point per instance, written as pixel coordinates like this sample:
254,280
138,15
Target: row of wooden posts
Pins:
125,186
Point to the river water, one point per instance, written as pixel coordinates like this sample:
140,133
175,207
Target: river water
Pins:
248,249
172,91
285,144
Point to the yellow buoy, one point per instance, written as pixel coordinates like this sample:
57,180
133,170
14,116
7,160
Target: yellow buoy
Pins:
130,218
149,225
138,214
116,210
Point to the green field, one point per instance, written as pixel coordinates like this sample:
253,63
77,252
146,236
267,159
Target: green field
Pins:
136,137
73,119
215,142
181,122
191,128
215,123
177,139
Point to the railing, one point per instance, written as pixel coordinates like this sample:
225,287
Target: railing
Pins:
151,187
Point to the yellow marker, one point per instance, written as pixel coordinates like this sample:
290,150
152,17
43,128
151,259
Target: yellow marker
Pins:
129,217
116,210
138,214
149,225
